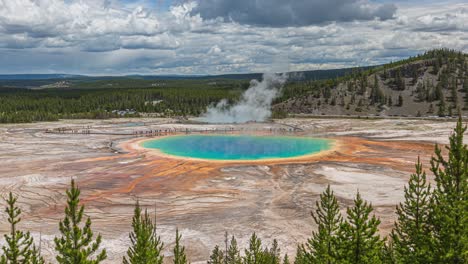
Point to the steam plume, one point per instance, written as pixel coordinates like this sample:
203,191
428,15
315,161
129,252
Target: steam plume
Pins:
254,105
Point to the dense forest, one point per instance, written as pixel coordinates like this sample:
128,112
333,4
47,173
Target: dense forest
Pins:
431,227
25,105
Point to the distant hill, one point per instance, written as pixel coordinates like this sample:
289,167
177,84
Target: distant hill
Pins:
47,80
432,84
37,76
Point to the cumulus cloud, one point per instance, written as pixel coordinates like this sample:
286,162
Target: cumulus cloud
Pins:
283,13
457,21
115,37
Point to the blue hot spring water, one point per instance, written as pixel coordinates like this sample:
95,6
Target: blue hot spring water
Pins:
238,147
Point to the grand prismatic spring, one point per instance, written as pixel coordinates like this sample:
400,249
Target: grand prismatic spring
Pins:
213,190
238,147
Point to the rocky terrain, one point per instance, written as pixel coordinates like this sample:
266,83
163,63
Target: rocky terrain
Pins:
202,198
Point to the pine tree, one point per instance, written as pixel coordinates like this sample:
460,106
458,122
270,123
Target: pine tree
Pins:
454,93
146,244
300,256
272,255
411,236
400,100
450,205
233,253
441,111
254,254
19,245
388,254
217,256
359,242
36,257
76,245
321,248
286,259
179,250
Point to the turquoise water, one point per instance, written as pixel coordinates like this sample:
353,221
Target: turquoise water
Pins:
229,147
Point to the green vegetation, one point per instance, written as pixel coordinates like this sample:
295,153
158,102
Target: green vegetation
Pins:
23,105
352,90
146,245
19,246
76,245
433,78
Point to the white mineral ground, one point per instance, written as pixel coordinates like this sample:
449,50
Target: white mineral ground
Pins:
205,199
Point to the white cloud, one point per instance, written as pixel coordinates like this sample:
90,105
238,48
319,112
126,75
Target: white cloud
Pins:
109,37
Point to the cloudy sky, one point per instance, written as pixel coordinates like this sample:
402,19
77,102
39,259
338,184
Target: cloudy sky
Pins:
118,37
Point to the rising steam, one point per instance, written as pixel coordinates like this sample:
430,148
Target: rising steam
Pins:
254,105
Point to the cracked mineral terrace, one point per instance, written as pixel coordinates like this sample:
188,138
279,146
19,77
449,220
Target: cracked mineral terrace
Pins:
205,198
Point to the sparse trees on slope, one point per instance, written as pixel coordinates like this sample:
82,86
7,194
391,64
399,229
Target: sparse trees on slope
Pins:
76,244
412,240
450,205
179,250
19,247
146,245
359,242
321,247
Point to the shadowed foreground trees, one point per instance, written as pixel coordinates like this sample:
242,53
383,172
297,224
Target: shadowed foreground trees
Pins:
431,227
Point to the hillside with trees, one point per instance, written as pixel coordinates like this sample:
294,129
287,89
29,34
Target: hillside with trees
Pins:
431,84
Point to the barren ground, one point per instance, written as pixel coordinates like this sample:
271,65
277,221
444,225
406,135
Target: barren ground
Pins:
202,198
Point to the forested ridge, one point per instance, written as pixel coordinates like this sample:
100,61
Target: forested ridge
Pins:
431,227
23,105
431,84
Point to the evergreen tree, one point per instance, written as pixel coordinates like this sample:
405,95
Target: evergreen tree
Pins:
431,109
179,250
388,254
36,257
272,255
19,245
454,93
286,259
450,205
76,244
146,245
217,256
321,248
411,236
465,86
300,256
254,254
441,111
359,242
233,253
400,100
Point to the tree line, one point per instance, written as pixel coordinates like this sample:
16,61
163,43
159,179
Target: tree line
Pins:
431,227
24,105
